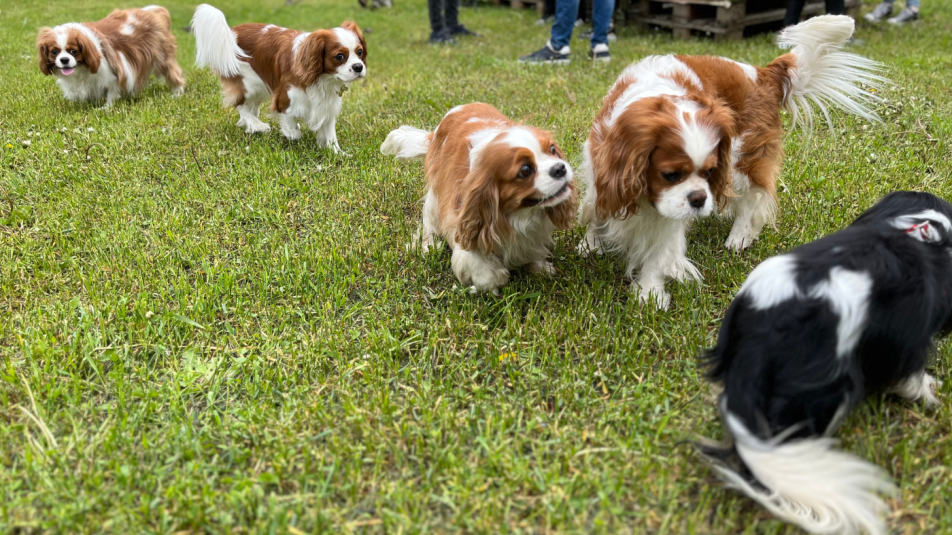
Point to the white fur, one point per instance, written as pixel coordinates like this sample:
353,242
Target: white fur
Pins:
772,282
317,106
673,202
216,46
531,238
825,75
130,74
810,484
917,225
83,85
918,386
406,143
699,140
652,78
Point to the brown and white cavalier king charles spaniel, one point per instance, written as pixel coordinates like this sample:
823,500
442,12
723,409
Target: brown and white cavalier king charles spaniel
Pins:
679,136
497,192
111,57
304,74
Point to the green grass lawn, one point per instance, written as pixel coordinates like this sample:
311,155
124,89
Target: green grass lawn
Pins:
206,331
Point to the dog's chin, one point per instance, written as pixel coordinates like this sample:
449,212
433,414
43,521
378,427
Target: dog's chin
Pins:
552,200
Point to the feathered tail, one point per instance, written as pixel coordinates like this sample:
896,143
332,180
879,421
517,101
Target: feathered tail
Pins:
824,74
806,482
406,143
215,44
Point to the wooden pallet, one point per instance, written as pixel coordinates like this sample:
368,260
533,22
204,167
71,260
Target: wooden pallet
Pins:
724,19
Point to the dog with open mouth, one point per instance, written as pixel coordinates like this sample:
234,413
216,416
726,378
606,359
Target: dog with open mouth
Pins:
112,57
497,192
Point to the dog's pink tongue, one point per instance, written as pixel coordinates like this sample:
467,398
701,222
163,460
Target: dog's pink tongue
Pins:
66,72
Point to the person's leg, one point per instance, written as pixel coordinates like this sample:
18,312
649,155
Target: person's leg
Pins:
451,16
602,11
566,11
835,7
436,15
794,10
913,5
880,12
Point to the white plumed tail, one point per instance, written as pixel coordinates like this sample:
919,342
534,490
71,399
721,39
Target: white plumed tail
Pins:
406,143
825,75
808,483
215,44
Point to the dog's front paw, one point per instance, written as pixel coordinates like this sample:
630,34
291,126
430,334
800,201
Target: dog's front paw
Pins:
542,267
178,91
652,295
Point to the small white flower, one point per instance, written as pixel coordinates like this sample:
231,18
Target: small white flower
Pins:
26,142
90,129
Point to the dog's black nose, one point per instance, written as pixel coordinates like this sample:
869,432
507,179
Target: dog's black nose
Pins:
64,60
697,198
558,171
358,67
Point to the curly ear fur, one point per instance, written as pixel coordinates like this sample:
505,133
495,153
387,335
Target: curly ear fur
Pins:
720,115
480,224
352,26
620,155
91,56
43,49
563,215
309,64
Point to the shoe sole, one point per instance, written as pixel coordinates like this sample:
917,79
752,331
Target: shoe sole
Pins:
547,62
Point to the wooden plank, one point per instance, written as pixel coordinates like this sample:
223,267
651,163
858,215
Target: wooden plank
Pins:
716,3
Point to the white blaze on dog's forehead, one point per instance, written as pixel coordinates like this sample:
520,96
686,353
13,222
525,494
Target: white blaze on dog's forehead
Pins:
521,137
700,140
771,283
298,40
848,294
484,120
653,77
127,29
347,38
151,8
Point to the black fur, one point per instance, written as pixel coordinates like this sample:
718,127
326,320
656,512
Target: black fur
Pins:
779,366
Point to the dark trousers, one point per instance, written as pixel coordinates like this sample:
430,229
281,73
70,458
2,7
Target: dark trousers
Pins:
445,14
795,8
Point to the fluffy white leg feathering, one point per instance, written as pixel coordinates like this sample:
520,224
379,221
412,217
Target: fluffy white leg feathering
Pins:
825,74
406,143
216,46
810,484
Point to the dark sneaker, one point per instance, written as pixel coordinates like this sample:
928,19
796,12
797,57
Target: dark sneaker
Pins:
879,13
464,31
904,16
547,54
600,53
442,37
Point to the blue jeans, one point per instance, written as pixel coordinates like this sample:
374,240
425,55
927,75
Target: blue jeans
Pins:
566,11
909,3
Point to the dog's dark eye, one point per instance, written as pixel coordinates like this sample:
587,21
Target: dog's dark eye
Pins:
708,173
526,171
73,52
360,52
672,176
339,57
553,150
55,51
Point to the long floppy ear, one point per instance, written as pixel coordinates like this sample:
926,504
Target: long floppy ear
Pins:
563,215
309,63
620,159
43,50
91,55
480,224
352,26
723,176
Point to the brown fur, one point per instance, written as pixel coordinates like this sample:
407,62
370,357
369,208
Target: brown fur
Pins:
150,47
475,203
627,157
272,58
